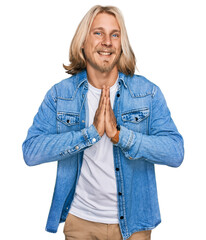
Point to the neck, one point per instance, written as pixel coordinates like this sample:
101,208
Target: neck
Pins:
98,79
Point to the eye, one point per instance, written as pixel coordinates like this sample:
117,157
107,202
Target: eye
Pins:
115,35
97,33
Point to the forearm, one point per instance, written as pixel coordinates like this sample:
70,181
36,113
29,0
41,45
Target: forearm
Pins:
158,149
42,148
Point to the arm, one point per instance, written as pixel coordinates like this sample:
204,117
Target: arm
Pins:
43,144
163,145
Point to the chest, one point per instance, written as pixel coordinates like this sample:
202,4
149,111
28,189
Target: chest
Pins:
131,112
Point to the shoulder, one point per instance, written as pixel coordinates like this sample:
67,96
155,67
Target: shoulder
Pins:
67,88
140,86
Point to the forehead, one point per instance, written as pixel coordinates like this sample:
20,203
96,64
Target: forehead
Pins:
105,21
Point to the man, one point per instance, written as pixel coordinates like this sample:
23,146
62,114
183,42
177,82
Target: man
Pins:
106,127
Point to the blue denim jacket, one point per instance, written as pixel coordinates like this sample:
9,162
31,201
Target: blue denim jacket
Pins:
147,136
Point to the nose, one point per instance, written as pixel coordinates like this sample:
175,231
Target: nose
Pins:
107,41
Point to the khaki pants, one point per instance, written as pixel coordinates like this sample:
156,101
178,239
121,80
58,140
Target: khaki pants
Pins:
76,228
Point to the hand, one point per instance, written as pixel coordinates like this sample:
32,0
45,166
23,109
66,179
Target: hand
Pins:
99,121
110,119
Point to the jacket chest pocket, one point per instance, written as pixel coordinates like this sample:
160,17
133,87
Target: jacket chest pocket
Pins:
136,120
67,122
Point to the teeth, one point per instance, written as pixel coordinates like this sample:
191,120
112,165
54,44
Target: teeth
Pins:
105,53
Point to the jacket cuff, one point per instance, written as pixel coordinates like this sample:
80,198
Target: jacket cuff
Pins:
88,137
127,138
91,135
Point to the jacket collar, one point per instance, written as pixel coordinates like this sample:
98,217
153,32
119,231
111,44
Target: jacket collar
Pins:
81,77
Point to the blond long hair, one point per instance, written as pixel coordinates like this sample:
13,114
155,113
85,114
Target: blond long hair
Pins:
126,63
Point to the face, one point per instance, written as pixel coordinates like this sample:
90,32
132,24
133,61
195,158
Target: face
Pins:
102,47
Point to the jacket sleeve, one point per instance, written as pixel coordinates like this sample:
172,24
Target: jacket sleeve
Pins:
164,144
43,143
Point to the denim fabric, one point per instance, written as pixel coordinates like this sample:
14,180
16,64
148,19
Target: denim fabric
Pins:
148,136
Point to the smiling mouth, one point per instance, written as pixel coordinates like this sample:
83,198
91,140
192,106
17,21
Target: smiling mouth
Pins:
105,53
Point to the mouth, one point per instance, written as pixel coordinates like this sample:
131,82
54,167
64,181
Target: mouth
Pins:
104,53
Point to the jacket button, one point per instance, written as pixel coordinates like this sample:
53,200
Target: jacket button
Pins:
120,193
77,147
117,169
94,140
122,217
118,95
68,121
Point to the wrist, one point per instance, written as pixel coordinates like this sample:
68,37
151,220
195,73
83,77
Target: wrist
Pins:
115,132
115,138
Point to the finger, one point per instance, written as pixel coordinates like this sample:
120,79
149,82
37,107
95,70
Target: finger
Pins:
104,102
102,95
107,106
102,107
107,91
108,96
103,90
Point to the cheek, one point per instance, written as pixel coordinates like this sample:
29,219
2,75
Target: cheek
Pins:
118,46
119,49
96,44
92,46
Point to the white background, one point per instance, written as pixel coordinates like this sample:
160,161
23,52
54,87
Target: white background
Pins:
168,38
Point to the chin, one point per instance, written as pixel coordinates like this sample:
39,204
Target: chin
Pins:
104,66
106,69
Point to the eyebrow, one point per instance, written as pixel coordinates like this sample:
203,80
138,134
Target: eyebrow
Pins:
101,28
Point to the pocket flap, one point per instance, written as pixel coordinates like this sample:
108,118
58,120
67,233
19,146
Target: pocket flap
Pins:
68,118
135,116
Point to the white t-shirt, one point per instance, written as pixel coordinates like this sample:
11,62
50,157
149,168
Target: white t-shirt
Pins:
95,198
